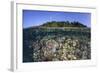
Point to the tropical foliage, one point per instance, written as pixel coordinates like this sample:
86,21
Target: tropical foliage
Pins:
63,24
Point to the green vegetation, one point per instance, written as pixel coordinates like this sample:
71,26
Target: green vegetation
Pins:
63,24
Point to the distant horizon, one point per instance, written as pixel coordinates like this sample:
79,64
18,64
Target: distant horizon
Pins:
33,18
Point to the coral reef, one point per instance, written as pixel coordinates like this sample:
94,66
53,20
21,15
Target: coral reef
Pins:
43,44
61,48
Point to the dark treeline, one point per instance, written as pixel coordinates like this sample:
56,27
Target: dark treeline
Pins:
63,24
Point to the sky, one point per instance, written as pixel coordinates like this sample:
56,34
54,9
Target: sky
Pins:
35,17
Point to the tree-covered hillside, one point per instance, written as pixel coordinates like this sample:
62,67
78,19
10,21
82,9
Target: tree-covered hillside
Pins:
63,24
